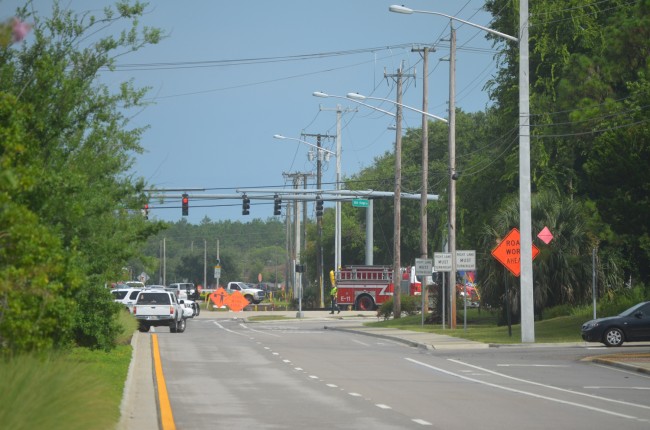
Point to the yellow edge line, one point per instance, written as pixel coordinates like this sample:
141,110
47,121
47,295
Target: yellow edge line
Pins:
166,416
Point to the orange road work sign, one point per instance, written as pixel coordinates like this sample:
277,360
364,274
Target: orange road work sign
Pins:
235,301
508,252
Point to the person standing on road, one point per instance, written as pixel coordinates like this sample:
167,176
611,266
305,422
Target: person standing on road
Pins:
333,292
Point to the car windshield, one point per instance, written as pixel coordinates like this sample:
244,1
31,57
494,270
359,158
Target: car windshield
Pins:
118,295
153,299
632,310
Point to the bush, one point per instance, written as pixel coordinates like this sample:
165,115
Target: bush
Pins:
409,306
620,300
96,322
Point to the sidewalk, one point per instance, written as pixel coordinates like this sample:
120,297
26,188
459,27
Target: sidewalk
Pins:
139,406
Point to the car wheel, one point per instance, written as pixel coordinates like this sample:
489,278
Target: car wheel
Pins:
143,328
180,327
173,326
613,337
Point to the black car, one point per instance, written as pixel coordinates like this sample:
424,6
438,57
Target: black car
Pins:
632,325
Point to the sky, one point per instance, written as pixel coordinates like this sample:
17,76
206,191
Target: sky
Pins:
231,75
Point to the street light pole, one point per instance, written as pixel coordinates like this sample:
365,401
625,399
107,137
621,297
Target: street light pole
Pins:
356,97
452,173
525,223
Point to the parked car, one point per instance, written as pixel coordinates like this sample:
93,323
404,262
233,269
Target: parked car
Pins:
126,296
185,290
631,325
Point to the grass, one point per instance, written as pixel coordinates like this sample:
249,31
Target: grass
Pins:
482,327
79,389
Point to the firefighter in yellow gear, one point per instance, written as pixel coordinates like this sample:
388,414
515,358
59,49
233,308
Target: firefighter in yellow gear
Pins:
333,293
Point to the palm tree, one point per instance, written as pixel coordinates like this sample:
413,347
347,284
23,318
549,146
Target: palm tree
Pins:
562,271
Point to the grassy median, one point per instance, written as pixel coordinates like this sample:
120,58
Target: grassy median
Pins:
79,389
482,326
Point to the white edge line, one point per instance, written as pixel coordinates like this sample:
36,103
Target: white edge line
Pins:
526,393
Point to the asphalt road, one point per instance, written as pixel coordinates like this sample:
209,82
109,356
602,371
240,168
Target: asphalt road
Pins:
225,373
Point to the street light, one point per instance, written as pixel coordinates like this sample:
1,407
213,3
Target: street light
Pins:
526,260
337,238
279,136
356,97
318,217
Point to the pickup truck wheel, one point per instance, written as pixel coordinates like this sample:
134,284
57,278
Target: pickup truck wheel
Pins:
173,327
143,328
180,326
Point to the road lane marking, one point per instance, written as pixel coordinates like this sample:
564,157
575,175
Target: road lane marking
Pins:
526,393
422,422
564,390
531,365
164,406
596,387
258,331
382,406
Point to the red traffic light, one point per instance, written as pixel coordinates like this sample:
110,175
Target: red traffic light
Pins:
186,201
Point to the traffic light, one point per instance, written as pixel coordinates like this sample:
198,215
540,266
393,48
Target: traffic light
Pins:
145,211
277,207
245,205
186,204
319,206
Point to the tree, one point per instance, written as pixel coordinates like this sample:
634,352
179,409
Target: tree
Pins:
67,155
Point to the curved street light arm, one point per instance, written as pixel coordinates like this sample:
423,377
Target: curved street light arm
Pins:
324,95
355,96
279,136
406,10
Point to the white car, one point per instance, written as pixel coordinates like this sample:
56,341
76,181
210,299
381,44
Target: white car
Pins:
190,308
126,296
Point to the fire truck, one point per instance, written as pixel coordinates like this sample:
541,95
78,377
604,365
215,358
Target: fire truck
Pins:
366,287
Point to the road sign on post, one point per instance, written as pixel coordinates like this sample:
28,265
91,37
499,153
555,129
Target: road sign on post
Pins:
508,252
360,203
423,267
466,260
442,261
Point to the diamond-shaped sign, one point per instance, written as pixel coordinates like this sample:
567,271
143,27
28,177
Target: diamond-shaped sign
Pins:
545,235
236,301
218,297
508,252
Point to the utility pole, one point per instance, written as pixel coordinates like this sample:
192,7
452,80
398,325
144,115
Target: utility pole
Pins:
424,240
296,178
337,235
319,220
397,266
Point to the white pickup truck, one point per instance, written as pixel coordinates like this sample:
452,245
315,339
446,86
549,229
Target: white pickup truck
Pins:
157,307
252,294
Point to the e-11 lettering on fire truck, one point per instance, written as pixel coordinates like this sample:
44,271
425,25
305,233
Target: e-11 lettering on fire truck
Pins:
367,287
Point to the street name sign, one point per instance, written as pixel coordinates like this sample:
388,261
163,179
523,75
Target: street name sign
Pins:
360,203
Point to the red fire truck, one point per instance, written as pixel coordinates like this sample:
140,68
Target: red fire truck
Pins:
366,287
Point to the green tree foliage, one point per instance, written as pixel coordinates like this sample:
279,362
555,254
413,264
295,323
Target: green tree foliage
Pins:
70,211
245,250
589,113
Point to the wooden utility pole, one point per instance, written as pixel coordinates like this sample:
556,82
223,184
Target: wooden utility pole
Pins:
397,219
424,240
